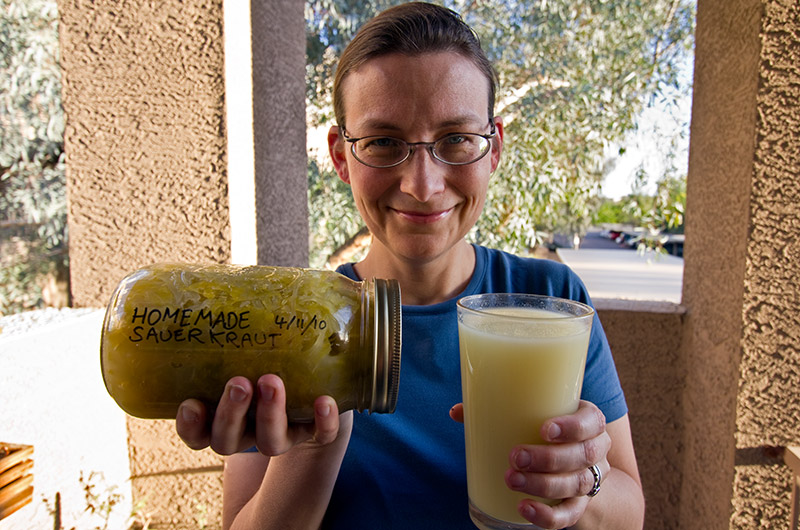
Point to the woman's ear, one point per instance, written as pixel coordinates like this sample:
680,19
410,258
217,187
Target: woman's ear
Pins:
497,142
337,149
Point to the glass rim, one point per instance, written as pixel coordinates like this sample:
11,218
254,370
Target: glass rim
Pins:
588,311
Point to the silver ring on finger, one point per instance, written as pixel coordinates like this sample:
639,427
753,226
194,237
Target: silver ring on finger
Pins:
598,477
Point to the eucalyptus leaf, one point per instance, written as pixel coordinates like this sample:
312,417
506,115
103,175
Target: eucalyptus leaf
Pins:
574,76
33,211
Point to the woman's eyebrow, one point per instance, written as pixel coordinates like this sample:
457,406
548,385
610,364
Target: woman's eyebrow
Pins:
381,125
457,121
467,119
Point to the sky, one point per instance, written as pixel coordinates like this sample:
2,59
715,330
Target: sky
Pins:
661,140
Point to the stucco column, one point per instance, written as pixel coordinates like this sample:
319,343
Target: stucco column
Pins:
718,210
741,272
144,105
768,401
265,100
147,172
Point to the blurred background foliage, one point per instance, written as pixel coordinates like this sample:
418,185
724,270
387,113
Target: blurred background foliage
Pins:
33,212
574,77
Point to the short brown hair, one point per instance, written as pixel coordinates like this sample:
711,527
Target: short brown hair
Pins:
411,29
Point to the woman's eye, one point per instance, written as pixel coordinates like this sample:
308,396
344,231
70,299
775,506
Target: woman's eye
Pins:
381,142
454,139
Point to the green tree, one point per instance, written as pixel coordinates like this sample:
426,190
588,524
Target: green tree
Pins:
32,182
662,212
657,216
574,75
333,218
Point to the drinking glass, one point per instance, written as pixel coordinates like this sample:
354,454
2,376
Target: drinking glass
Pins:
522,362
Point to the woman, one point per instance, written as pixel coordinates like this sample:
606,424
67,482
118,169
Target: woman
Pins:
417,141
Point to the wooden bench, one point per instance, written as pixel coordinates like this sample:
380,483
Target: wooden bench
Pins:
16,477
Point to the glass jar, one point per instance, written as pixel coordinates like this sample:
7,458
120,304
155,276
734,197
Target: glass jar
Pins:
176,331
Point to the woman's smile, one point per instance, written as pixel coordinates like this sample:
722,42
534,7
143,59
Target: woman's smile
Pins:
422,217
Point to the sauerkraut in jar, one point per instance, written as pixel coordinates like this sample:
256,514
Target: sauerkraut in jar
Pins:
176,331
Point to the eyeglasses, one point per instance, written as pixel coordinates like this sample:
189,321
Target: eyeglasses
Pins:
456,149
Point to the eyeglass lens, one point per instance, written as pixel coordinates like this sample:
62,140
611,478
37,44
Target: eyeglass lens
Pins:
384,151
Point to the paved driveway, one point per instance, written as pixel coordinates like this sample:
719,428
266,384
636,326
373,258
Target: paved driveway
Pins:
627,274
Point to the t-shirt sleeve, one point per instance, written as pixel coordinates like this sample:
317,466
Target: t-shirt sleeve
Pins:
601,383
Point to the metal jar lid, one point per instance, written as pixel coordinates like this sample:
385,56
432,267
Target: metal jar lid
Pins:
388,330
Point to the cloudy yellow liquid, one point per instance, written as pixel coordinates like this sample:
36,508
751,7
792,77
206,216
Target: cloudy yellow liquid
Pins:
515,375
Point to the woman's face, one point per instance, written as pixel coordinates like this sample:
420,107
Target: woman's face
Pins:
421,208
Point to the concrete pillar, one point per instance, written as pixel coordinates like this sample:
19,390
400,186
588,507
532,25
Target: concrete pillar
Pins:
741,273
279,88
147,167
768,401
265,88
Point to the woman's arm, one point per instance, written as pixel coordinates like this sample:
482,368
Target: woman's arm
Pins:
287,491
288,483
620,503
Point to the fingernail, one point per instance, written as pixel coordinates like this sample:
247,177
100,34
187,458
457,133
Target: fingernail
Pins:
267,392
522,459
553,431
516,480
323,410
189,415
237,393
528,512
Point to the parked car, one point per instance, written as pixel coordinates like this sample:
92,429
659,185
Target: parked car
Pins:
674,244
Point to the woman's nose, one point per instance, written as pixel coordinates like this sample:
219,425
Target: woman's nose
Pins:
422,175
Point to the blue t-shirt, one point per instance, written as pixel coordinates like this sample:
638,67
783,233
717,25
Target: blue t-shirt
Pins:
408,469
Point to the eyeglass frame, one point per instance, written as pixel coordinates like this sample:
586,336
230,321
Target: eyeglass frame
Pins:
429,145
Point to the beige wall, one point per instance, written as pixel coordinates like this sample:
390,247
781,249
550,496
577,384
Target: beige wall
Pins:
741,275
768,408
712,384
145,158
645,338
718,211
147,176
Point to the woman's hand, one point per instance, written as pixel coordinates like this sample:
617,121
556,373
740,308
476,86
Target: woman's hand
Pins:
273,434
559,470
